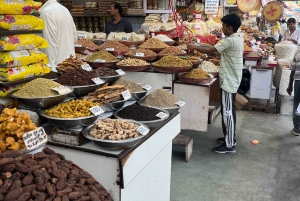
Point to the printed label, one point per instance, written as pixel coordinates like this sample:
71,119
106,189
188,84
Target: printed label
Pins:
96,110
35,138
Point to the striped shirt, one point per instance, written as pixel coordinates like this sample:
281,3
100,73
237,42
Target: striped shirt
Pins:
295,66
231,65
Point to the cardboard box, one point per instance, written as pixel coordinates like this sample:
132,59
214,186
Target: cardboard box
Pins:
240,101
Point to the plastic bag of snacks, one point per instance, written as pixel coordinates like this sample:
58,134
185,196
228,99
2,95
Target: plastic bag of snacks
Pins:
17,7
19,73
21,22
22,42
22,58
4,91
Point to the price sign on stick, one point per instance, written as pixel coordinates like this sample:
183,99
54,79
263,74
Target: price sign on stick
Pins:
86,67
147,87
143,130
99,60
126,95
162,115
96,110
110,49
120,72
35,138
97,80
180,103
139,54
124,38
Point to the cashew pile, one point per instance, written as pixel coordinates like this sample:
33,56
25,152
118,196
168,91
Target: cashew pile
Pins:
209,67
114,129
132,62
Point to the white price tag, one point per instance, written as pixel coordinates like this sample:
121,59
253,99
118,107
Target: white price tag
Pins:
100,60
98,80
126,95
147,87
139,54
198,40
96,110
86,67
124,38
110,49
198,16
78,45
162,115
62,90
180,103
35,138
143,130
210,75
120,72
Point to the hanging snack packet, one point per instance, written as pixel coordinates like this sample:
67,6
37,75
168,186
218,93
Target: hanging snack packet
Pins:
21,22
19,7
22,42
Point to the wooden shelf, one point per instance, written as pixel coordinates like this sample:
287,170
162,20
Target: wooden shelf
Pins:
14,32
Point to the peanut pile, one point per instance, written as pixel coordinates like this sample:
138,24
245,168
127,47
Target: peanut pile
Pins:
46,176
88,44
170,51
115,45
154,43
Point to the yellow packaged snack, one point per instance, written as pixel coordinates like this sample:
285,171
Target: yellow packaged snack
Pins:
21,22
4,91
22,42
19,73
22,58
19,7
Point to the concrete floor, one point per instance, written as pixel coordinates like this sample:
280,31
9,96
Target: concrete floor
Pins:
265,172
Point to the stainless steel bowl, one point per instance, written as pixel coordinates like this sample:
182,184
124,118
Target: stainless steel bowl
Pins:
150,124
109,107
171,110
43,102
84,90
113,144
111,79
70,122
138,95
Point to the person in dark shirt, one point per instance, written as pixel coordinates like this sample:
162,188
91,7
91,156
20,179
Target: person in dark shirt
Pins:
118,23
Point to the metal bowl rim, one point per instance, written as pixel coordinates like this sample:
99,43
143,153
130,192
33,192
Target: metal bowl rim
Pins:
112,76
88,128
12,95
145,122
144,90
42,113
92,85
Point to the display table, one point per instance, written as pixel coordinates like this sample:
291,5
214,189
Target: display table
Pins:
142,172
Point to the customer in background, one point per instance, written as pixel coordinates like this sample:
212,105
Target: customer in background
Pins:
291,34
60,32
118,23
295,79
283,27
275,31
230,74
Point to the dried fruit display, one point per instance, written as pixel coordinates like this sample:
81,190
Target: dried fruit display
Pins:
107,94
70,63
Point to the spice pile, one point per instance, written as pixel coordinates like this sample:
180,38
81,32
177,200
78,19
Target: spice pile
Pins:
70,63
171,61
197,73
170,51
37,88
101,55
160,98
46,176
146,52
107,94
139,113
132,62
77,77
87,43
103,71
153,43
130,85
71,109
12,128
116,46
253,54
114,129
209,67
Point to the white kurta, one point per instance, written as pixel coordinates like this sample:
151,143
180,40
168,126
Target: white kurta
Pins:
60,32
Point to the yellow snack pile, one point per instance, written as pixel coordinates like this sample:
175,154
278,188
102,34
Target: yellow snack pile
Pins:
22,58
12,128
72,109
21,22
17,7
19,73
22,42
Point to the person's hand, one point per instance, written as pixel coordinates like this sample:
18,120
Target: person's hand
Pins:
289,90
191,46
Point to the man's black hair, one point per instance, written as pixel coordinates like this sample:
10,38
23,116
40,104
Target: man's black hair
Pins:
119,7
291,20
283,21
233,21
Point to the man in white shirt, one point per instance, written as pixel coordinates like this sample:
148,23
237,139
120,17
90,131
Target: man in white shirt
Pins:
292,34
60,31
283,27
